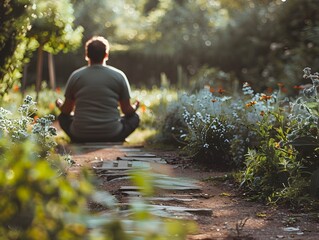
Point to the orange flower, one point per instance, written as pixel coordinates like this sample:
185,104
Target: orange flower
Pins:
269,90
251,103
35,118
211,89
58,90
143,108
264,97
214,100
298,87
16,88
51,106
221,91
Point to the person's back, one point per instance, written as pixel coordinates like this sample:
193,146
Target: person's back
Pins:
94,92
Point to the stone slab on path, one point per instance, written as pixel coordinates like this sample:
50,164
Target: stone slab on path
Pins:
140,155
169,199
123,165
135,158
176,210
172,188
117,175
172,209
181,196
144,159
107,145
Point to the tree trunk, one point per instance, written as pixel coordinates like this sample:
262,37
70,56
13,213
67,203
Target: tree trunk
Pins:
39,72
51,71
24,79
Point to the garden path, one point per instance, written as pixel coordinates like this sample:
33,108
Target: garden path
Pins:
210,200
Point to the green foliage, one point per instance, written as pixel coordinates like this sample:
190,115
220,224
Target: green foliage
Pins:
196,33
273,37
45,104
14,26
153,104
217,129
124,23
207,139
26,24
35,196
249,40
172,125
282,167
270,139
102,21
207,76
34,199
273,167
53,26
21,126
305,123
39,199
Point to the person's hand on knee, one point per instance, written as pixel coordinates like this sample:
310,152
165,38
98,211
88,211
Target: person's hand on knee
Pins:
136,105
59,103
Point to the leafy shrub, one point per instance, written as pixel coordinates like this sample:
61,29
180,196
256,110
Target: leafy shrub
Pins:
283,167
34,199
172,126
45,104
304,120
209,124
153,105
207,76
272,167
271,139
207,138
21,126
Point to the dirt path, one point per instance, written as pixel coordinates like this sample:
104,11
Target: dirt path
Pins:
232,217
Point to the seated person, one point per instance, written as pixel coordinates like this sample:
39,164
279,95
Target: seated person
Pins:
94,93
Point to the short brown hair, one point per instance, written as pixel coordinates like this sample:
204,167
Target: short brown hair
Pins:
96,47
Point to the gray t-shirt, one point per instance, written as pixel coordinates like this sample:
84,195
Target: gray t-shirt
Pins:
97,89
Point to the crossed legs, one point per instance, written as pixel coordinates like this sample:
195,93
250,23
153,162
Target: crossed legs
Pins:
130,123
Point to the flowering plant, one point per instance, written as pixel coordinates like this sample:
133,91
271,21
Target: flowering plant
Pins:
304,122
209,123
283,167
21,126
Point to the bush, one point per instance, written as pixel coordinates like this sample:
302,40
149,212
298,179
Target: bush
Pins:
270,139
272,167
35,196
34,199
153,104
209,124
45,104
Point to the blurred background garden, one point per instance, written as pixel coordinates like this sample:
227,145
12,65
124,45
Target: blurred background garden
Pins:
233,79
162,46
